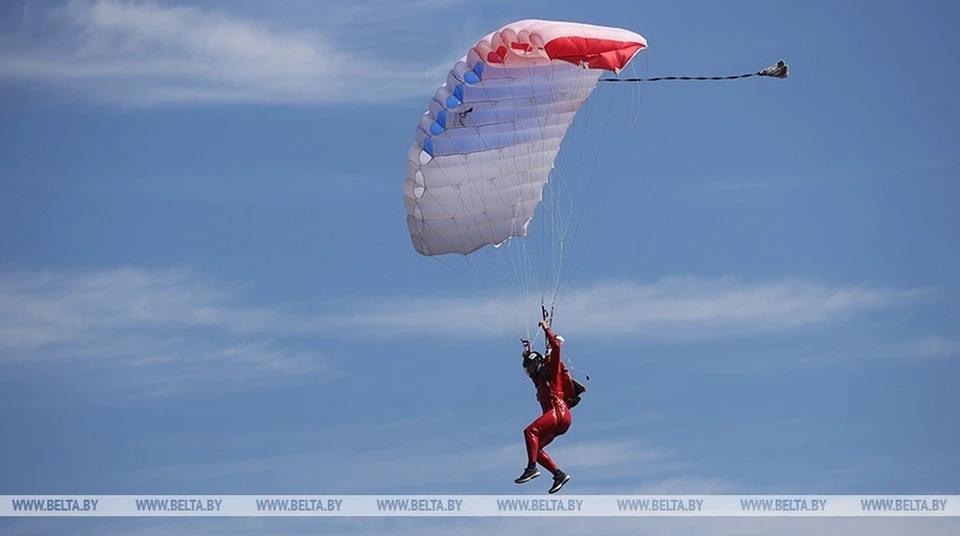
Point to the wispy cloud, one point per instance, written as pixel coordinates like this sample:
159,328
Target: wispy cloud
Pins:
186,329
672,309
60,308
173,328
148,53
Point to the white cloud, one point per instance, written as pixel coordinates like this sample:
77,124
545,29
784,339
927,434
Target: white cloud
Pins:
186,329
175,326
672,309
148,53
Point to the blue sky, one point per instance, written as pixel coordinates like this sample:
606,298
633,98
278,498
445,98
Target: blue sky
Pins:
207,286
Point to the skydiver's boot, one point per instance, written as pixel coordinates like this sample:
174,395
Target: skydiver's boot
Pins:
559,480
529,474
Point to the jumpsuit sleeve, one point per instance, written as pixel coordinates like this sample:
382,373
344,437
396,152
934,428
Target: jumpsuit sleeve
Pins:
554,364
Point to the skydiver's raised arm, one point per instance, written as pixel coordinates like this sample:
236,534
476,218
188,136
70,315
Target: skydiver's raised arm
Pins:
553,361
551,337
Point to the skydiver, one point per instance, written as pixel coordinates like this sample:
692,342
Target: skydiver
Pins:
548,375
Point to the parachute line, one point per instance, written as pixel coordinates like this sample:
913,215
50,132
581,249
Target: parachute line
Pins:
778,70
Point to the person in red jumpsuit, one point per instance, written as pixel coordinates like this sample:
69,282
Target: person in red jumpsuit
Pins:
547,375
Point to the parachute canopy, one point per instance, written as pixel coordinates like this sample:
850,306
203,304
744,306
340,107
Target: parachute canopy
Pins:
485,148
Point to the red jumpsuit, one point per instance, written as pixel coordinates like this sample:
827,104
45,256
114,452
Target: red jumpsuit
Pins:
556,418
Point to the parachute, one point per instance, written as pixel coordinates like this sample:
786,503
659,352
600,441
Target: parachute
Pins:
485,148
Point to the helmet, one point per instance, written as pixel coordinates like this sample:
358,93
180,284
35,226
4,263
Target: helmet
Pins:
560,339
532,363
